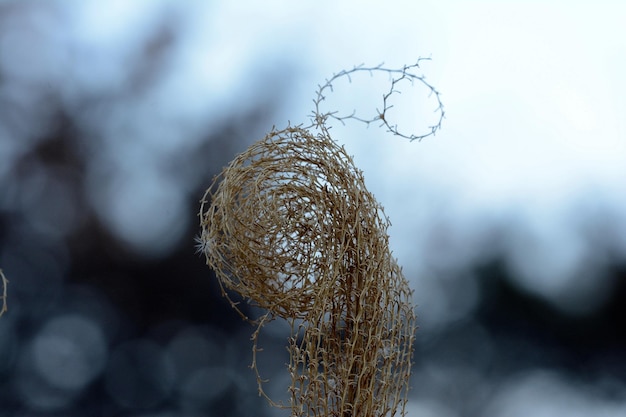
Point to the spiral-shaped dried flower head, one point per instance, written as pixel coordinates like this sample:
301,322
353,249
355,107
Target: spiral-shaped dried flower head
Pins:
290,226
286,217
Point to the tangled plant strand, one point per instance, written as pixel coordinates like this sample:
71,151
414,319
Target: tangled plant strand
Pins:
5,282
290,226
320,118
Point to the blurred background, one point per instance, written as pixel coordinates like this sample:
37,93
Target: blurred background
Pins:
510,223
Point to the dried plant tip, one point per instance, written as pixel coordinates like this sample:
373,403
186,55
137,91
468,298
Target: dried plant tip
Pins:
290,225
202,245
397,75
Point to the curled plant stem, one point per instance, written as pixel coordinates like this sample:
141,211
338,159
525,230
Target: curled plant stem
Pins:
320,118
290,227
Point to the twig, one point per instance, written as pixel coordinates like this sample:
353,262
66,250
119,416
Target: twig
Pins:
397,75
5,282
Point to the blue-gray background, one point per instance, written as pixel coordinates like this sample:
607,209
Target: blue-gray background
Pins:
510,223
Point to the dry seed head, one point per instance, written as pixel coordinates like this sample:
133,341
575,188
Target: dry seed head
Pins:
290,226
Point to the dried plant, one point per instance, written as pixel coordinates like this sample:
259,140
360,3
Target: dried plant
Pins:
5,281
405,73
290,226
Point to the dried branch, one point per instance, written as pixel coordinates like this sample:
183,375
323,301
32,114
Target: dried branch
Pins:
290,226
320,118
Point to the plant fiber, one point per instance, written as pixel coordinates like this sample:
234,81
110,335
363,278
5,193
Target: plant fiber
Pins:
290,226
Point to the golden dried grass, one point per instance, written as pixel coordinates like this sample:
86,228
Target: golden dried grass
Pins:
290,226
